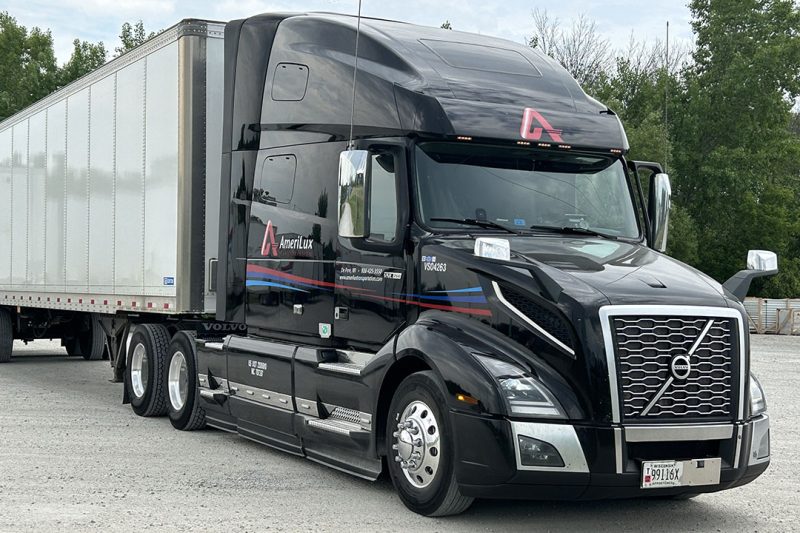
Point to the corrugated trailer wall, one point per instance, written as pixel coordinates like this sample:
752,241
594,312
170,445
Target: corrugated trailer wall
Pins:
90,183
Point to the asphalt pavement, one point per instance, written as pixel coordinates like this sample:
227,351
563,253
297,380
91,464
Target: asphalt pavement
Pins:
74,458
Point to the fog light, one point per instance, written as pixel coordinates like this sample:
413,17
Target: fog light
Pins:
534,452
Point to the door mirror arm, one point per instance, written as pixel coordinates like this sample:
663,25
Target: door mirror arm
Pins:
760,263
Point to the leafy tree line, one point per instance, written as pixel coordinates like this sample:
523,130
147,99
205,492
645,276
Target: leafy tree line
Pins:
28,67
731,140
732,134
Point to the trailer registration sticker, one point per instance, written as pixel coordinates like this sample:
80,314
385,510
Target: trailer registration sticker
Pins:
659,474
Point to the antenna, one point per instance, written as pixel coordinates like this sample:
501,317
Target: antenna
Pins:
355,73
666,101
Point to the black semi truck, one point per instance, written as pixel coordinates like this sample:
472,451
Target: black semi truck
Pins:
382,247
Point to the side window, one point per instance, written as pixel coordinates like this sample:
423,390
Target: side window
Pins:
383,198
275,184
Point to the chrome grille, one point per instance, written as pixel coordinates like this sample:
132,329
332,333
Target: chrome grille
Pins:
645,347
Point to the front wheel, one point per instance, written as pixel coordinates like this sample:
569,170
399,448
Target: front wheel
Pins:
420,444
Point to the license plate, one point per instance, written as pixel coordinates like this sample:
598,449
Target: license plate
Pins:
662,474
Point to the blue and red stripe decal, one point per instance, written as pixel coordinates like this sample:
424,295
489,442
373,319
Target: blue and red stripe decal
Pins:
259,276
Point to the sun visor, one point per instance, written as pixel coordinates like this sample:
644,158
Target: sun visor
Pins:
527,123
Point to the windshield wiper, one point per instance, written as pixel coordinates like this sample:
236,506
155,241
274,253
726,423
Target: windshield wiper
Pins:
575,231
488,224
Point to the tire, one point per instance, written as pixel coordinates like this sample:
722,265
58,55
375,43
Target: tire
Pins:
6,335
92,343
428,485
144,370
180,375
71,345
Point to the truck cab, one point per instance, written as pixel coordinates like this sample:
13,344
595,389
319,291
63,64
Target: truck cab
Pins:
448,268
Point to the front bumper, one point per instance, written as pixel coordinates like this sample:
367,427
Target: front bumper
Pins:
600,462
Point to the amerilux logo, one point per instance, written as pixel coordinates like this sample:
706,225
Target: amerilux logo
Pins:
534,125
271,246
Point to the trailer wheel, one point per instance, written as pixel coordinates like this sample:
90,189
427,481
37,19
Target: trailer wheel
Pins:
89,343
420,444
185,412
144,371
92,343
6,336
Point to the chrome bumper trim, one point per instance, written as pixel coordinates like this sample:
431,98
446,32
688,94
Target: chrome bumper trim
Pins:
678,433
760,431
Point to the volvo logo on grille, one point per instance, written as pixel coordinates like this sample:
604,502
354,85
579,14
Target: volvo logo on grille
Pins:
680,366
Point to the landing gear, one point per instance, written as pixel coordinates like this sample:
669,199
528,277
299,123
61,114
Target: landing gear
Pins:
420,444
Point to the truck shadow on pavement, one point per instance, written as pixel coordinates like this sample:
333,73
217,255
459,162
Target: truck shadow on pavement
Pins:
713,511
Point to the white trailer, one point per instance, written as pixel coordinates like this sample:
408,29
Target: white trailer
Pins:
103,192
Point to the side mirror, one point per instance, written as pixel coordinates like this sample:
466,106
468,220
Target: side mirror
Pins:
759,263
353,179
658,206
762,261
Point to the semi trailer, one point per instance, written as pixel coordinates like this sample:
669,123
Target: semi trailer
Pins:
386,248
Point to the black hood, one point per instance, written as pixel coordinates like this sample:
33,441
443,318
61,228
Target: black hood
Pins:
623,272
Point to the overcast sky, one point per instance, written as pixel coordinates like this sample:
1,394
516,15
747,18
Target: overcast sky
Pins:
100,20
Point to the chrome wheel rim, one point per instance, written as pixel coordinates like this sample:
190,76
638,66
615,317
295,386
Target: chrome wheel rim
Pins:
139,370
418,444
178,381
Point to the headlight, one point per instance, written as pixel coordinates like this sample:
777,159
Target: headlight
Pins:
524,394
758,402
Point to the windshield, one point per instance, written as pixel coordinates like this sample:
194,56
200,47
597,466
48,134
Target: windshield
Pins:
522,189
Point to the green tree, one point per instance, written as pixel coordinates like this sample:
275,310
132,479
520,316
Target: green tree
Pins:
28,68
131,36
737,159
85,58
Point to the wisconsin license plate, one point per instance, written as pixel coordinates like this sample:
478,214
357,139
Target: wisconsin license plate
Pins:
662,474
694,472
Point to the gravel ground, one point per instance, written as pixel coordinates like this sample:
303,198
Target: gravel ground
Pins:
72,457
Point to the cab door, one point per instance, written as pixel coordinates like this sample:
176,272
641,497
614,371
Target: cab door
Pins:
371,272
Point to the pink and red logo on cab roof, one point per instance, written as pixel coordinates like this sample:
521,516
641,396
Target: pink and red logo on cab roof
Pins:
534,125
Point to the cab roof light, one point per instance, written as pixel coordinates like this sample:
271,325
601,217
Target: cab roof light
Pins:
565,146
543,145
464,138
523,143
616,151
